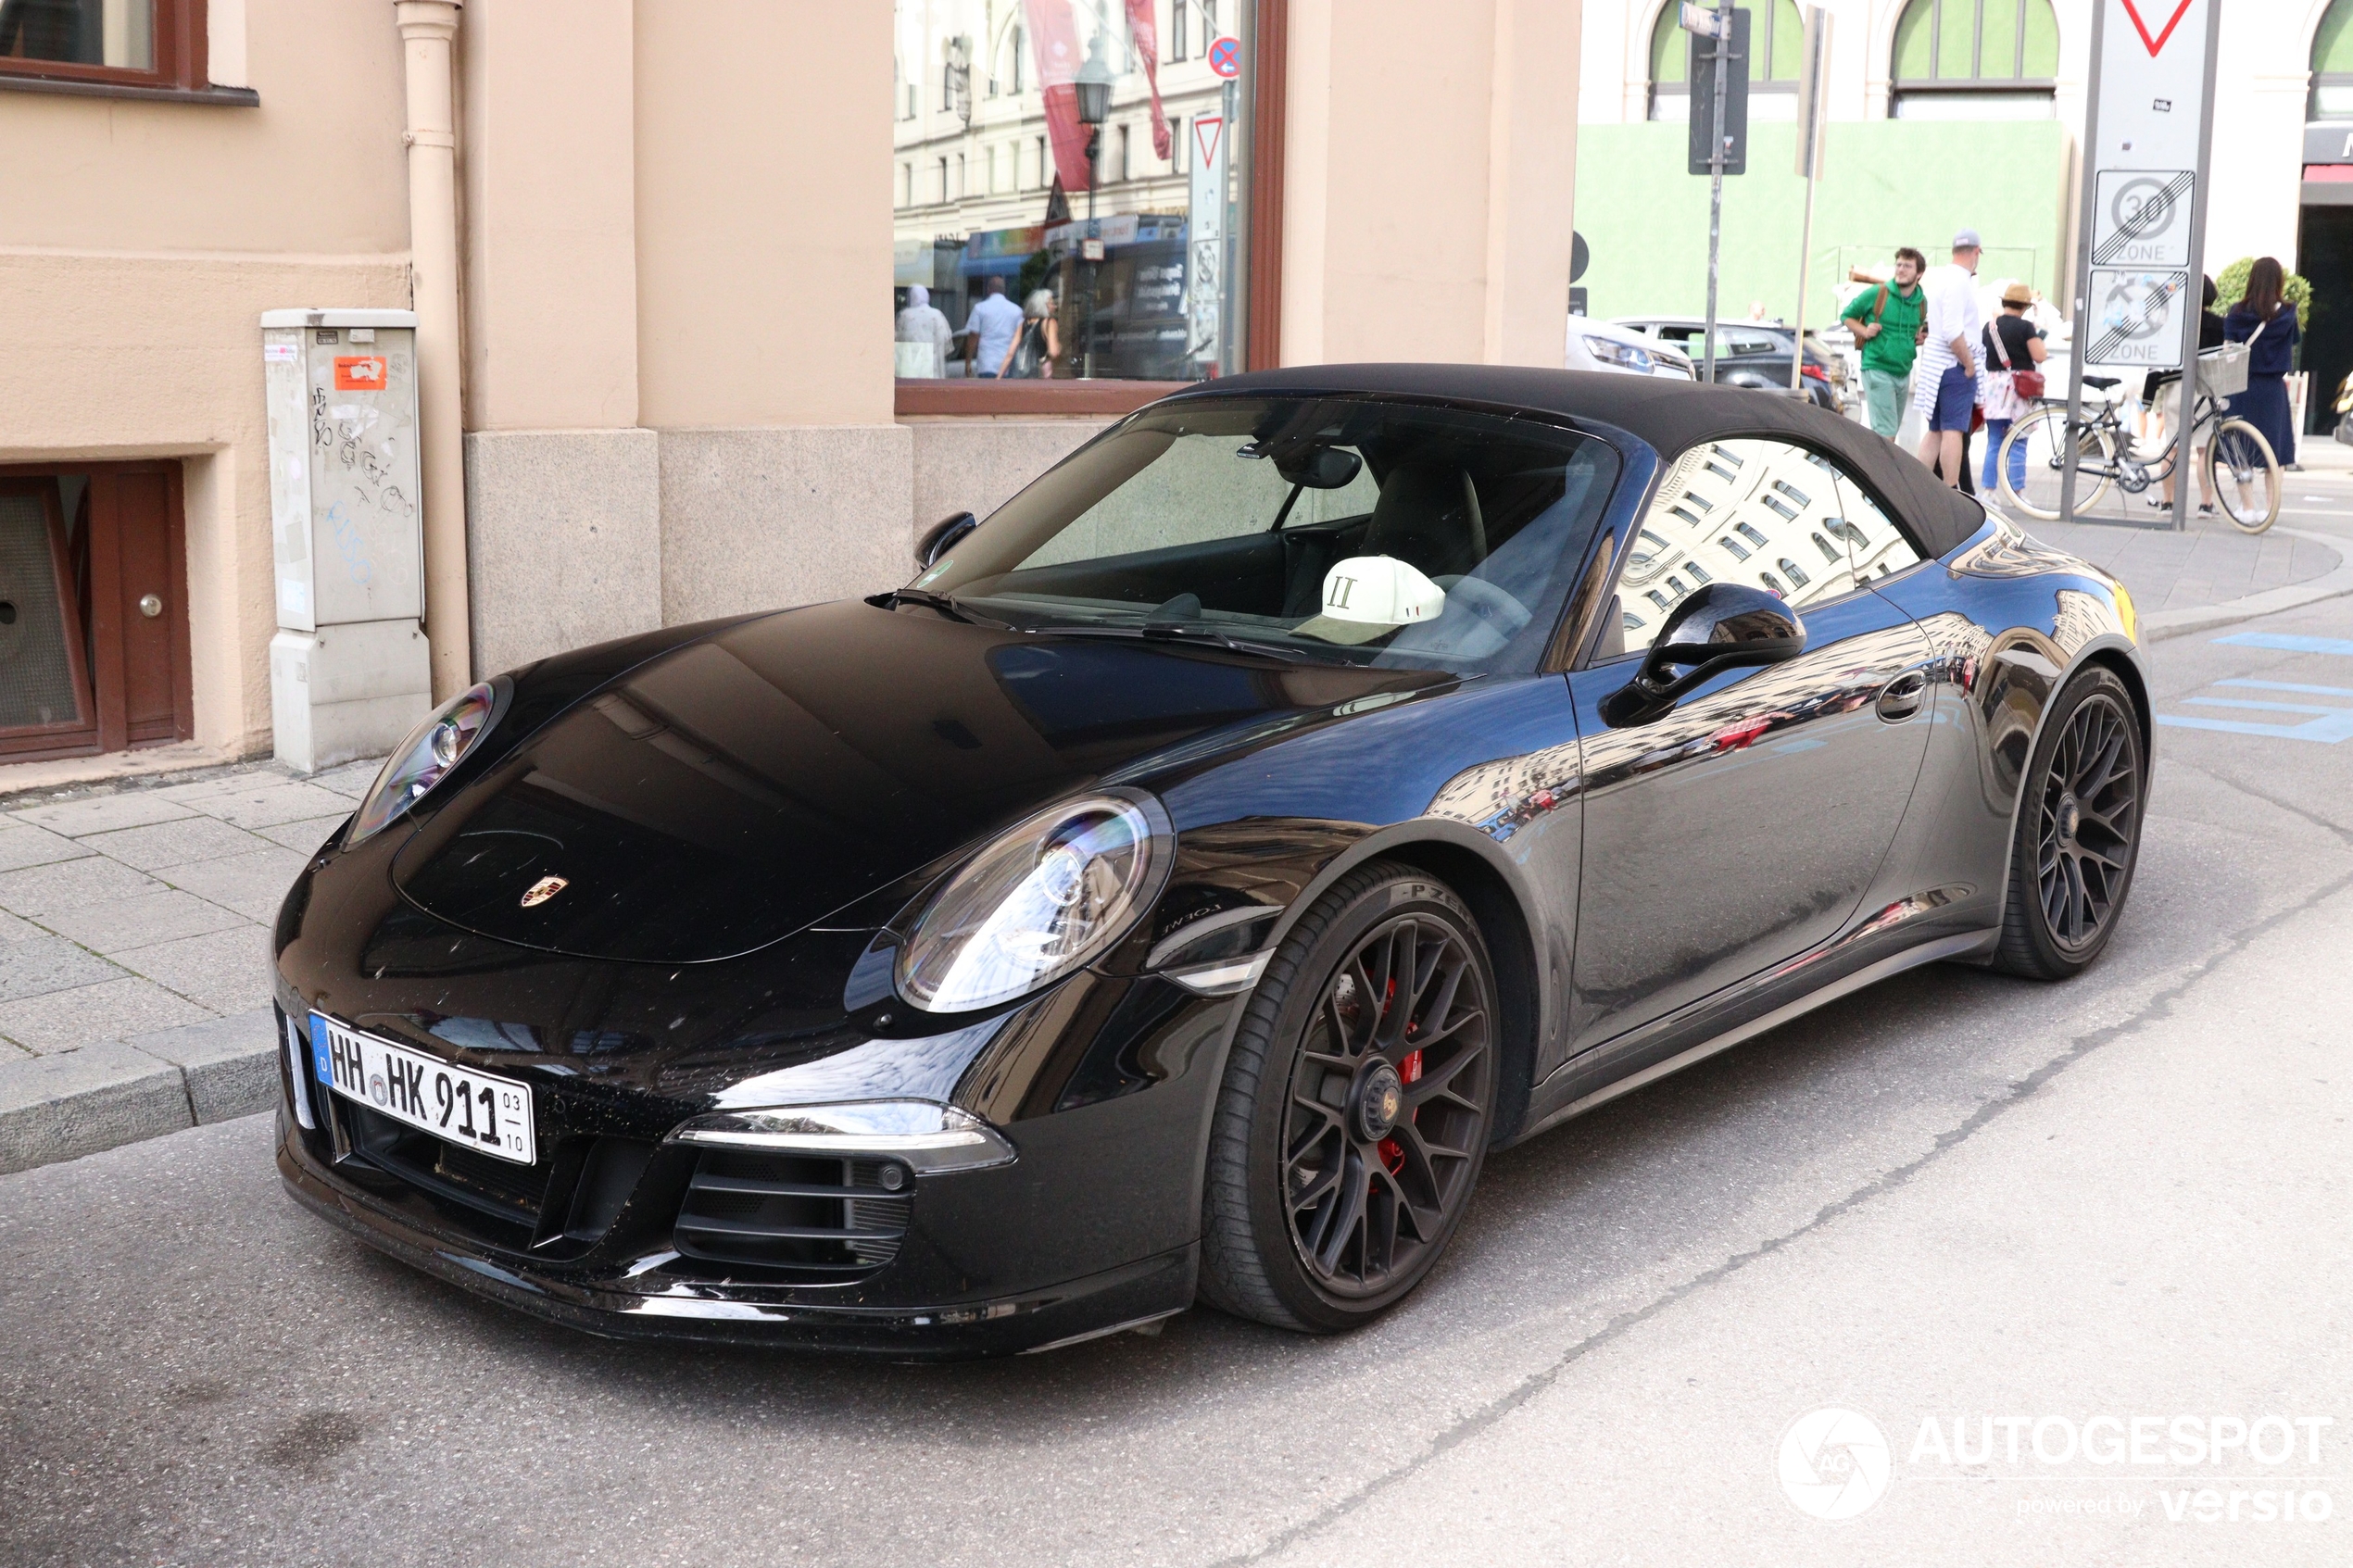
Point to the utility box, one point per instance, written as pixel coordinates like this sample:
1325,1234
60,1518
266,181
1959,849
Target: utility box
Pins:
349,670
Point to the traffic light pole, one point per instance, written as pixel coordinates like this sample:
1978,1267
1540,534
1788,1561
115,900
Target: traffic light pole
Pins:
1723,34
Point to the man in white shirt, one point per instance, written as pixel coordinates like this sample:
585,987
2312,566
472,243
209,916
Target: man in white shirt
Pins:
990,329
1944,388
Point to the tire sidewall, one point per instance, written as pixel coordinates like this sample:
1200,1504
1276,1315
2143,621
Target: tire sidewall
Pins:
1315,960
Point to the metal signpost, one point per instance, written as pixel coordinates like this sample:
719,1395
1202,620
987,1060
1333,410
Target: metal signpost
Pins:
1206,236
1213,188
2142,234
1812,101
1722,72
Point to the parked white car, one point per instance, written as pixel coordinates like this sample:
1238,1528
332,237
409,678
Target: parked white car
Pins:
1604,345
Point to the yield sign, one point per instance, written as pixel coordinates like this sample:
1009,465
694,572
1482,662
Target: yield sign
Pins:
2167,31
1208,130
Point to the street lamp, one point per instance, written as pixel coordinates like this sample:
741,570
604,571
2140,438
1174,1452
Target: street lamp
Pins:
1094,103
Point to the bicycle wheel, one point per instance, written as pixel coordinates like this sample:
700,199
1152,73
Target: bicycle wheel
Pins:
2243,476
2041,435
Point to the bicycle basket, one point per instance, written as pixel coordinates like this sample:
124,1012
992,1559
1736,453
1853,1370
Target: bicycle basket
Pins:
2222,371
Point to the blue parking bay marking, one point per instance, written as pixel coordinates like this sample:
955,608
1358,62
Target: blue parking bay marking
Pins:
2289,643
2334,724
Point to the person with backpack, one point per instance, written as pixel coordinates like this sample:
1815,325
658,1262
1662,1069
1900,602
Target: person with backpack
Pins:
1889,321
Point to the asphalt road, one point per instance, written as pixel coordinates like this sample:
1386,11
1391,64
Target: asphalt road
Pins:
1956,1195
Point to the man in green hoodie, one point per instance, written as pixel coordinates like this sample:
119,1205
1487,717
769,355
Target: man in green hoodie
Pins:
1887,321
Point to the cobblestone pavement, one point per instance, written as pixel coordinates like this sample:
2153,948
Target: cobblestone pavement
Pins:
135,964
2199,567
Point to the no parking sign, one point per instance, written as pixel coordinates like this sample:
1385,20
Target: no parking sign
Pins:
1225,56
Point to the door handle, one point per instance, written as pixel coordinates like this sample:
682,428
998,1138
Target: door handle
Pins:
1903,697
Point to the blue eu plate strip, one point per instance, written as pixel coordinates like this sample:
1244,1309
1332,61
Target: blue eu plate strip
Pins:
319,1051
2291,643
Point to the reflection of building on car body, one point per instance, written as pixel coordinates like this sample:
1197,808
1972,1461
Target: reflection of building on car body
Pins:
1762,512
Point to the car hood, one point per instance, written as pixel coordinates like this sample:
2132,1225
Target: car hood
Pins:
746,785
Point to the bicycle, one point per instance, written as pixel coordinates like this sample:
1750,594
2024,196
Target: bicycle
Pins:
2106,454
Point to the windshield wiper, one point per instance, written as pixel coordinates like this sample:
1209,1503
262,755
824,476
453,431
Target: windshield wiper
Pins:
925,597
1178,632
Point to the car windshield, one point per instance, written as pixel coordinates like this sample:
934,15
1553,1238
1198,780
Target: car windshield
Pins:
1343,529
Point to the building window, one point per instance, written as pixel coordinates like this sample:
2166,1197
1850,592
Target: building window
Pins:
2332,65
1142,294
1975,59
133,42
1180,31
1776,38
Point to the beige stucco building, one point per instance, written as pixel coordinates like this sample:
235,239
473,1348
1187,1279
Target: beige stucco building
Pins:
648,243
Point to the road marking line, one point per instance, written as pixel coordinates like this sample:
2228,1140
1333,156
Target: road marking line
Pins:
2265,707
2290,686
2328,731
2290,644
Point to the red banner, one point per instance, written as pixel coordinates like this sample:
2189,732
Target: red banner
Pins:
1055,41
1141,28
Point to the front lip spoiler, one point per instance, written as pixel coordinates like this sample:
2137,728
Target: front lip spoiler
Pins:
1147,1289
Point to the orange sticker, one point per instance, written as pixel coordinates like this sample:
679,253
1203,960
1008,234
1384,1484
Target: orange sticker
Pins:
359,373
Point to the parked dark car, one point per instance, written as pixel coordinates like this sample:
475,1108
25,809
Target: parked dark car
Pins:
1747,354
1320,779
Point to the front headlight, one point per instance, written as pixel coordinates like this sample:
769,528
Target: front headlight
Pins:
1623,355
1048,898
425,759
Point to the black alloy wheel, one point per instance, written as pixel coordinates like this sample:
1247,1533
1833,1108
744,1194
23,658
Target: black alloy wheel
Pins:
2079,831
1356,1107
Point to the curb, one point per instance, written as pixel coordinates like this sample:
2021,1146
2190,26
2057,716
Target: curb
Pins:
115,1092
2166,623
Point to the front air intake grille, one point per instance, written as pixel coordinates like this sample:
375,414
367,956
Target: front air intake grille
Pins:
814,1218
498,1187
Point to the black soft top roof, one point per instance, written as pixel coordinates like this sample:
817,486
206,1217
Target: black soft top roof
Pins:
1670,414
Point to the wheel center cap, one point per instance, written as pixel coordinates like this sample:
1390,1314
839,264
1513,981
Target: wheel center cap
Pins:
2070,818
1380,1100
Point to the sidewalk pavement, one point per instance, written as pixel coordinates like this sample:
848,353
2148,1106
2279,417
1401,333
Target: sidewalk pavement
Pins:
2211,574
134,951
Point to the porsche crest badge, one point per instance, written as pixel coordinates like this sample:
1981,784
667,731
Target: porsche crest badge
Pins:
544,889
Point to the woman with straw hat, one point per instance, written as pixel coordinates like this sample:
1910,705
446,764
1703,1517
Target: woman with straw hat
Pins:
2012,344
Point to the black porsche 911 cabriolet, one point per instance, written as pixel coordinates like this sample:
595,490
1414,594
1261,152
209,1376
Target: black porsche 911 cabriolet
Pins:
1321,778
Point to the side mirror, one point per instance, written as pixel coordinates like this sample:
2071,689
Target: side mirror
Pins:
1723,626
941,537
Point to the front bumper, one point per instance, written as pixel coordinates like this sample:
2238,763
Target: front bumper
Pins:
673,1310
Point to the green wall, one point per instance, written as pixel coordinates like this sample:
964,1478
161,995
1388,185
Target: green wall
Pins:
1884,183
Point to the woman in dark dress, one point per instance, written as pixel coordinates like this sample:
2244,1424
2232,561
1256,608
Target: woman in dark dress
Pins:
2267,321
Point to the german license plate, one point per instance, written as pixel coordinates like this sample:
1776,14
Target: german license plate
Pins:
472,1110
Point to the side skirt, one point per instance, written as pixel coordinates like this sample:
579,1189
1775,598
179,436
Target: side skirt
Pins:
1955,947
